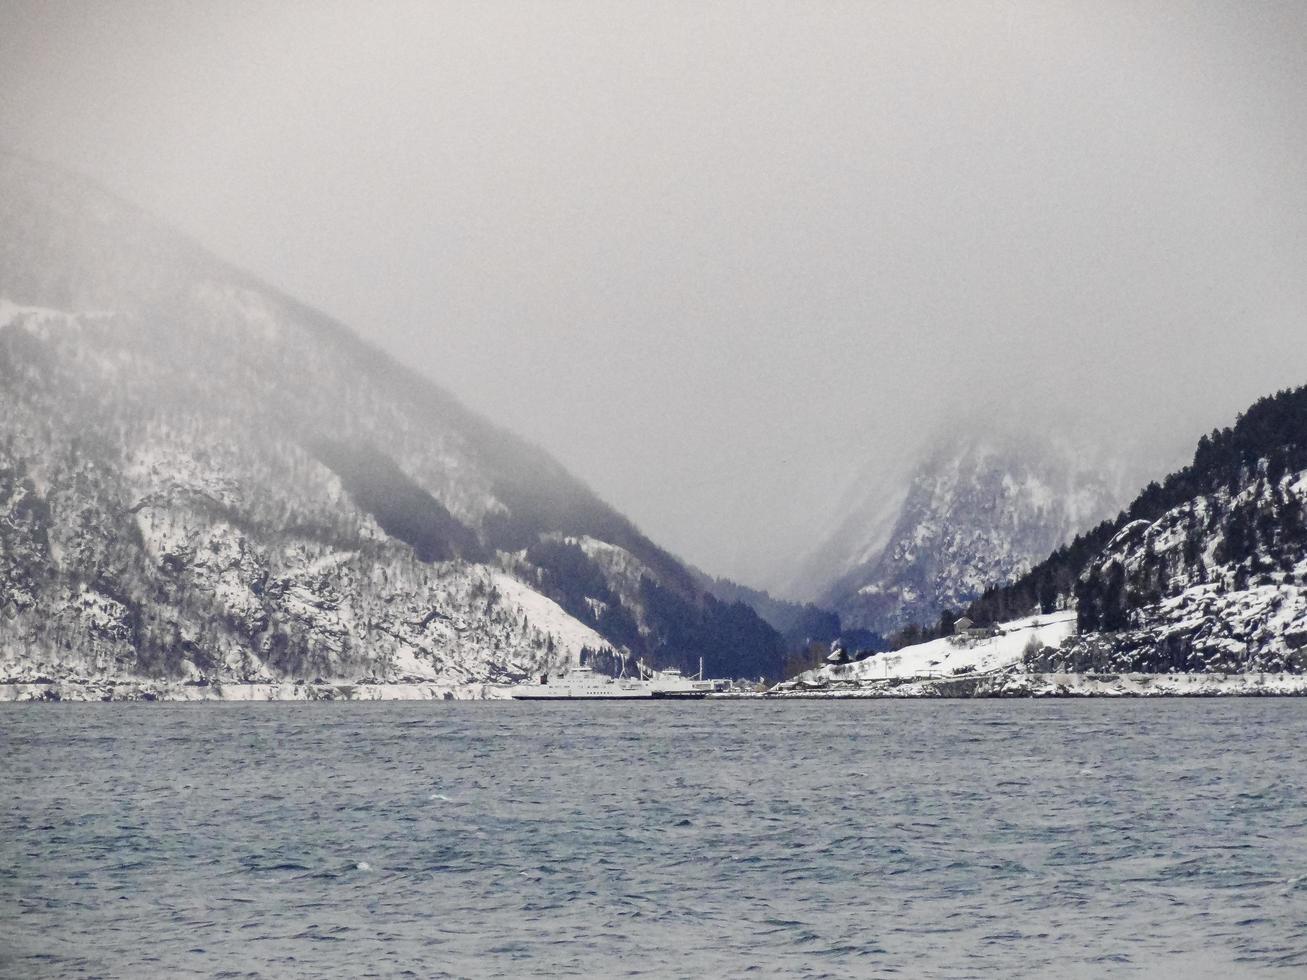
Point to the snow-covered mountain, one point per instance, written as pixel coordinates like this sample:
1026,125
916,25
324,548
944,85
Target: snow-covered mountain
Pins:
1205,571
201,477
984,504
1178,594
1213,582
1198,587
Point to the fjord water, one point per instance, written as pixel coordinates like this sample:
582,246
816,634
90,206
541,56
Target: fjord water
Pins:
913,839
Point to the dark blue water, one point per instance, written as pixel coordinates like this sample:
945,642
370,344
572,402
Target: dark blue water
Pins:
913,839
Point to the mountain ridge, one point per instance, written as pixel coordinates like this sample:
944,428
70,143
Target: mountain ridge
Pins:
1204,570
185,410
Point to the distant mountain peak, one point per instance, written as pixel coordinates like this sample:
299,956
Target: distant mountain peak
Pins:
985,500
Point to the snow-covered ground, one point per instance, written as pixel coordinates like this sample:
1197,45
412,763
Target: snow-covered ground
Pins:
569,633
1017,684
1152,685
952,656
993,667
11,312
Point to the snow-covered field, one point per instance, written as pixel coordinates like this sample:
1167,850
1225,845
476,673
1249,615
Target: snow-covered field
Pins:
992,666
951,656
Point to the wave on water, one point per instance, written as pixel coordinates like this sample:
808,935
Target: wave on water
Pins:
737,838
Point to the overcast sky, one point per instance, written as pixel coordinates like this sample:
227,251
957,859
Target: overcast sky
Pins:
716,257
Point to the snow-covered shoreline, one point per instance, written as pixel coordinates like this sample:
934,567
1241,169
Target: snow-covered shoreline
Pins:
993,663
980,663
1004,685
1010,684
148,690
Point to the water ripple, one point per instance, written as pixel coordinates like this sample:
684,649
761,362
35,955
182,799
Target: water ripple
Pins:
932,840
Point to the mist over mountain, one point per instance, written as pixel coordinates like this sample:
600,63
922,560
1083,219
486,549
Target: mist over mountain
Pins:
718,264
1197,587
1204,571
202,477
991,495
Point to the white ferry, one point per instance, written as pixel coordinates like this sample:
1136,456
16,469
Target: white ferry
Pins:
583,684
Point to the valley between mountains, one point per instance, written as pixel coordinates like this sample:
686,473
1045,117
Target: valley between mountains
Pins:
210,490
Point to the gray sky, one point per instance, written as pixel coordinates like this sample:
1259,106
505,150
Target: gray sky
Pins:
717,257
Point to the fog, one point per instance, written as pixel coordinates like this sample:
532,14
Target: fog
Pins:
721,258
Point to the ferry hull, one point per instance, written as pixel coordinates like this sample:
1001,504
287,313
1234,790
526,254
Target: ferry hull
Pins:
652,696
582,697
681,695
583,684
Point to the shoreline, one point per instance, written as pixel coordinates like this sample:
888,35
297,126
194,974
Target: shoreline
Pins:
128,690
983,687
1014,685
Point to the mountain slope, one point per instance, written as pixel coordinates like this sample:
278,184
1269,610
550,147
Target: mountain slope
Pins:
799,623
1205,571
980,508
1198,588
201,476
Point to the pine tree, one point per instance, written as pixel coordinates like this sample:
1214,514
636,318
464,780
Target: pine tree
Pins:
1115,599
1089,602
